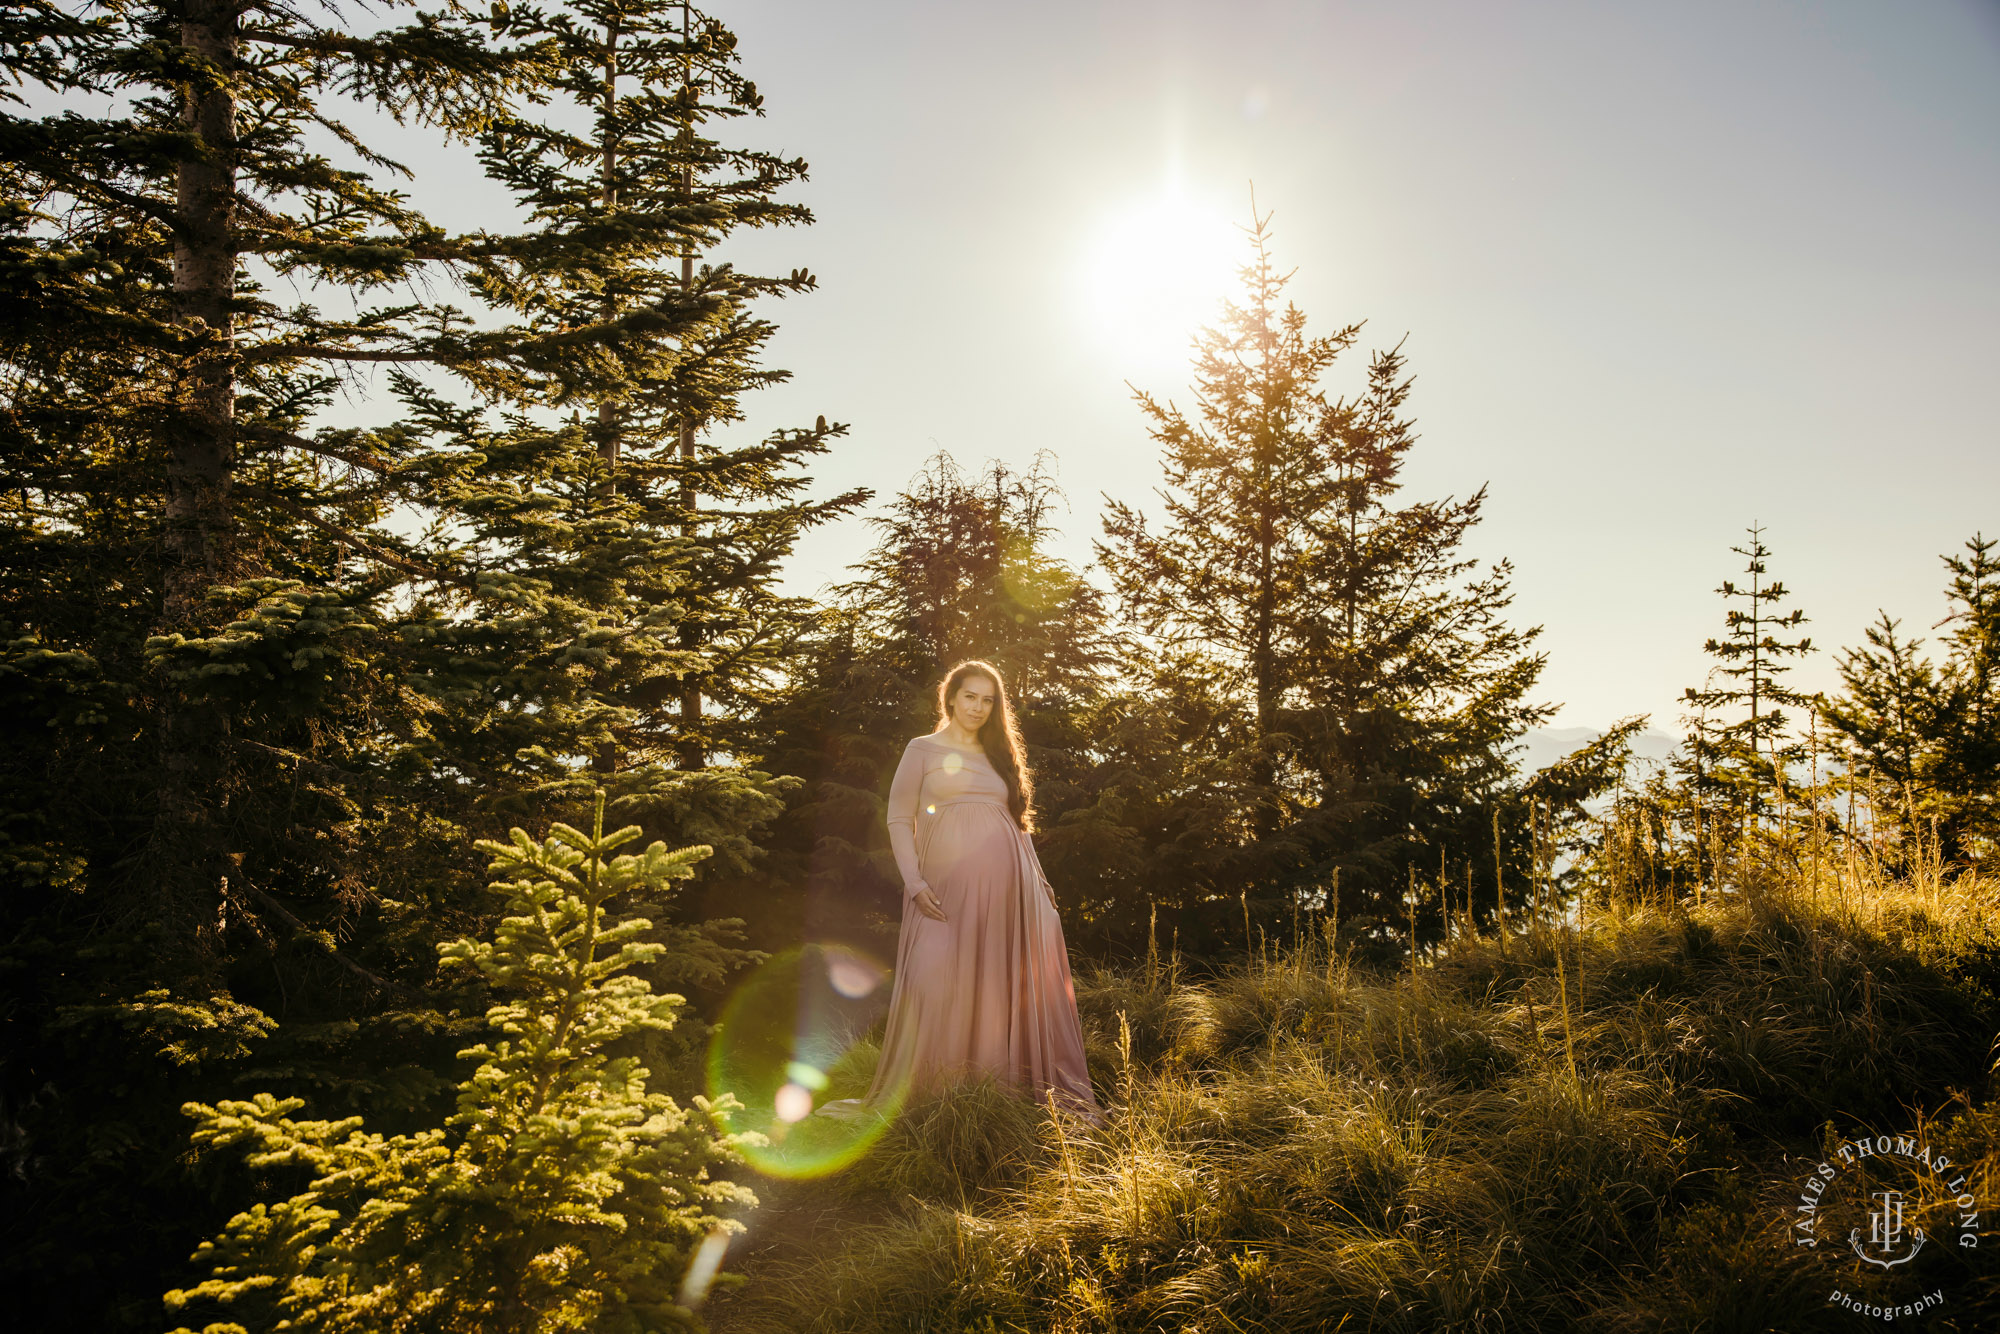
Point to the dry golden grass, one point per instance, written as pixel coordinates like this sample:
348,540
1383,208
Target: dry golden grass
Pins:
1590,1128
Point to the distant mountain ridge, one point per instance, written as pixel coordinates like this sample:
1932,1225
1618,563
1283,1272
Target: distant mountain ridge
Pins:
1546,745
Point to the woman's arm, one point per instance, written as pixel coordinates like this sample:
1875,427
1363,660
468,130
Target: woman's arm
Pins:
904,790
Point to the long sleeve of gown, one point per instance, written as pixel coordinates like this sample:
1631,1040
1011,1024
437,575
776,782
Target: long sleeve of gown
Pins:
904,790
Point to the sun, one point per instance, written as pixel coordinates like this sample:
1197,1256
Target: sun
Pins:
1154,271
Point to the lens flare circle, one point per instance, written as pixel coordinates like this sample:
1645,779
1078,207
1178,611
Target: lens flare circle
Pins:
853,977
788,1044
794,1103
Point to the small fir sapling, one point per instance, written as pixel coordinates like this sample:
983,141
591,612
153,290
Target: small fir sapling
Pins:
561,1194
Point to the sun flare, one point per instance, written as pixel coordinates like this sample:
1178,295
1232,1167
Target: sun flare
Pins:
1153,272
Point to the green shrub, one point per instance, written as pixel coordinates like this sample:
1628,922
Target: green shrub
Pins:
561,1194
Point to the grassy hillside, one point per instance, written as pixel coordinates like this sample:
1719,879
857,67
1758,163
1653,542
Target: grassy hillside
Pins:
1598,1128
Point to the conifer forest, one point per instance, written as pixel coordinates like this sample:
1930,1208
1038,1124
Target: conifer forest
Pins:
430,819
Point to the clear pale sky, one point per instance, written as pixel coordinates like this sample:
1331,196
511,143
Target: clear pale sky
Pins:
1663,270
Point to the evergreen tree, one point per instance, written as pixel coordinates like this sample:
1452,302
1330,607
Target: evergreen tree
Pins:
1159,832
562,1194
277,670
674,540
1930,731
960,569
1382,686
199,651
1747,754
1245,485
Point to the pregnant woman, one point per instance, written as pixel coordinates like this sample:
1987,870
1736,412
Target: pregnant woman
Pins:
982,973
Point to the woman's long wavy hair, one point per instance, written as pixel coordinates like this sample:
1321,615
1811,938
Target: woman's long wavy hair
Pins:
999,737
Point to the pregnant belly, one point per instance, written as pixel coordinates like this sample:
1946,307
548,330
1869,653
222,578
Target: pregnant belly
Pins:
971,842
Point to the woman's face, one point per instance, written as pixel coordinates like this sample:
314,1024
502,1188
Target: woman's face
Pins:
972,702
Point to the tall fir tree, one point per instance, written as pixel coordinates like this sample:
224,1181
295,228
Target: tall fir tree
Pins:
1244,486
199,651
263,675
671,539
685,536
1746,754
1380,683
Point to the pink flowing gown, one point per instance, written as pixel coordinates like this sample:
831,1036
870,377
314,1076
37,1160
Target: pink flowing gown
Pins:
988,988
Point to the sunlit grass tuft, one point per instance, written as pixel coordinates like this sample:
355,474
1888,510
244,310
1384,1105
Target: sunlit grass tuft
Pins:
1586,1129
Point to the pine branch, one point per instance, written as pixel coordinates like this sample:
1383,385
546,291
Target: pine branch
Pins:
284,914
284,351
290,440
368,549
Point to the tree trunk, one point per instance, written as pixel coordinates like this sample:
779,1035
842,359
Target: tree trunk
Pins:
693,754
199,529
608,758
199,538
